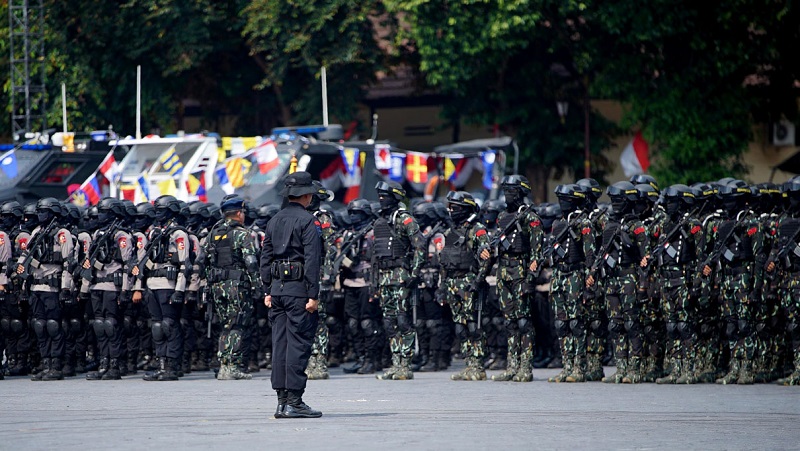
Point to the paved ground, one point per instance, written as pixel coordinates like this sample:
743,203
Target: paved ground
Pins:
430,412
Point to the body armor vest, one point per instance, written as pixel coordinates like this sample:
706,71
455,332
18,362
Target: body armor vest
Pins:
160,252
517,241
739,243
456,255
108,252
387,243
572,250
222,250
44,252
686,251
789,231
617,250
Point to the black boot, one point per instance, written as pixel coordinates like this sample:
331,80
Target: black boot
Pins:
156,374
55,373
296,408
113,373
91,362
38,375
20,367
283,394
201,363
422,361
101,371
80,363
433,362
186,363
355,366
368,367
69,366
171,372
131,363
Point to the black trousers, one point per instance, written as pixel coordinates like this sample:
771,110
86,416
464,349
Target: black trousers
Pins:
165,321
46,314
293,330
107,323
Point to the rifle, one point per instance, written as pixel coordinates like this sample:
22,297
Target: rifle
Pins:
716,253
414,302
353,241
499,238
145,260
86,273
789,245
23,268
553,243
603,256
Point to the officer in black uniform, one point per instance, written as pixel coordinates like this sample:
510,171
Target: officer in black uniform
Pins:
290,266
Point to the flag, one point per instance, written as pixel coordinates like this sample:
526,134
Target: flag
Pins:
449,170
167,188
88,194
458,171
331,176
9,164
383,157
236,169
396,172
129,192
170,162
144,186
350,157
239,145
488,158
196,186
267,156
635,158
109,167
224,183
417,167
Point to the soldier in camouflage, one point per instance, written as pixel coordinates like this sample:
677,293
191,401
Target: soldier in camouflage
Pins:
519,252
463,276
571,249
398,255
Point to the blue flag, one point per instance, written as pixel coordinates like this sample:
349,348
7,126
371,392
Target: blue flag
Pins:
397,171
9,165
488,166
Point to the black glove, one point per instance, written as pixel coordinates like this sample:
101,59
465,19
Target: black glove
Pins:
177,297
66,297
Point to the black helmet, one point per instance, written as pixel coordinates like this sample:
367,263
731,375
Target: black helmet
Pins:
167,207
128,209
490,210
549,212
265,213
145,215
570,197
515,189
791,190
48,208
704,191
647,193
771,196
623,196
735,195
72,213
425,214
591,188
214,215
11,208
678,198
462,199
389,194
645,179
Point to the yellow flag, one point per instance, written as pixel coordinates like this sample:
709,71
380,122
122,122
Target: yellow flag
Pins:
237,168
167,188
170,162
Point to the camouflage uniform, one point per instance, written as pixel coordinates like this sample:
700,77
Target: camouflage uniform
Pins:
235,280
398,254
460,261
519,247
317,364
785,255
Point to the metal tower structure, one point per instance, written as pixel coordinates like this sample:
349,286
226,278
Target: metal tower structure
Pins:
26,42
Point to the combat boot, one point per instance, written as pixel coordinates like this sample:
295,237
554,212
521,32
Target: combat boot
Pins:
616,378
201,364
252,365
676,367
283,394
477,373
688,375
20,367
566,368
355,367
404,372
143,363
171,372
444,360
311,367
232,373
433,362
268,358
578,373
334,361
69,366
733,373
465,373
101,371
634,374
745,372
421,360
594,367
705,370
113,371
186,363
525,371
389,373
130,363
322,367
512,367
80,363
794,377
55,373
368,367
296,408
38,375
154,375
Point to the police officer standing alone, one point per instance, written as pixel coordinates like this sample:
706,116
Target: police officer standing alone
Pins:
233,276
290,268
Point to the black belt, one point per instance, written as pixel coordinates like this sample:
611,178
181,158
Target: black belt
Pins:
672,273
567,267
736,270
617,272
53,281
391,263
219,275
104,279
509,261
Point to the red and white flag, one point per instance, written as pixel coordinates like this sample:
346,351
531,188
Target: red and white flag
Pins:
635,158
267,156
383,157
109,167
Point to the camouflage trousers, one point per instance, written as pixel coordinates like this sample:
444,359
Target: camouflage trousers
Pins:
463,304
397,319
680,318
652,318
321,339
516,307
234,310
624,315
790,302
566,295
710,326
738,307
596,319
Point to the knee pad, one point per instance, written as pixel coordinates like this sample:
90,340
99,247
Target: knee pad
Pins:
616,327
75,326
562,328
390,324
744,327
40,328
404,324
331,321
498,322
53,328
485,322
706,329
420,324
99,328
367,325
510,325
432,323
353,325
596,325
524,325
184,322
127,325
576,326
5,325
262,323
461,332
761,328
157,328
730,330
629,325
472,329
110,325
686,330
17,326
672,331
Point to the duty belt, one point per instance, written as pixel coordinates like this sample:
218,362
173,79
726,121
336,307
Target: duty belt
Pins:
219,275
673,272
512,260
53,281
618,272
737,270
391,263
569,267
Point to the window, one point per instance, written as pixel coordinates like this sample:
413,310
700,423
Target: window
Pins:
59,173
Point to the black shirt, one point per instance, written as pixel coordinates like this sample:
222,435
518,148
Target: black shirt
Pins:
293,235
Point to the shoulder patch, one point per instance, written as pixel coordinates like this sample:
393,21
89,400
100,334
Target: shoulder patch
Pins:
62,237
180,243
586,231
123,242
480,232
638,230
752,231
326,225
536,223
695,229
23,243
140,242
408,220
317,223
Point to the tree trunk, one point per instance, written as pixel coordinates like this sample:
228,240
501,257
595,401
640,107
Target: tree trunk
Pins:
538,175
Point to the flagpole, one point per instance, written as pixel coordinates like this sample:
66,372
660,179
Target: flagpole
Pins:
139,102
64,104
324,97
